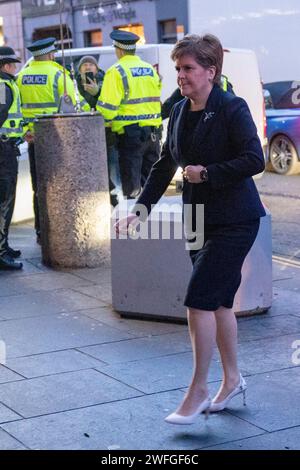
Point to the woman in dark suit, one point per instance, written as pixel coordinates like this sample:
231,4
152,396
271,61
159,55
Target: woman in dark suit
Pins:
211,135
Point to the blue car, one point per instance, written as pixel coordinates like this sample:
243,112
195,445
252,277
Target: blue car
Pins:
282,100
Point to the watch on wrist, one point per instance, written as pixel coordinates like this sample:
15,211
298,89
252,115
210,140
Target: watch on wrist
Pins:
203,175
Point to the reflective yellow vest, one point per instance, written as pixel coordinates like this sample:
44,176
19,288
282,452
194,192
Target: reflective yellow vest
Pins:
41,85
12,127
130,94
224,83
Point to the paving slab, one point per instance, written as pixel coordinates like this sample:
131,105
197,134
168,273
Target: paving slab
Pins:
286,275
272,400
135,327
28,269
7,375
45,303
9,443
128,424
51,363
85,378
285,303
267,355
12,285
62,392
94,275
49,333
264,326
22,237
139,349
290,284
282,269
7,415
99,291
288,439
159,374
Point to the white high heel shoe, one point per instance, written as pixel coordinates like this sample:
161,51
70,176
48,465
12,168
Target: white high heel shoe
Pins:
240,388
175,418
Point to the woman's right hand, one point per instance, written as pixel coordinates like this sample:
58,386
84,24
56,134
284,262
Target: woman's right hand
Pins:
123,226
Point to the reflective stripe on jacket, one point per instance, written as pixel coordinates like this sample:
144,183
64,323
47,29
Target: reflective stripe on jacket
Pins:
224,83
130,94
12,127
41,85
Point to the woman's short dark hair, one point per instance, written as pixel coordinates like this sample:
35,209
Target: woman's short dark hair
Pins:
207,51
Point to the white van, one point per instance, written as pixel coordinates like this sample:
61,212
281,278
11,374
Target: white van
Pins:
240,66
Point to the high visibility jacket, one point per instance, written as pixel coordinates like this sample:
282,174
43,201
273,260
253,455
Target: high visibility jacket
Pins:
130,94
12,127
41,85
224,82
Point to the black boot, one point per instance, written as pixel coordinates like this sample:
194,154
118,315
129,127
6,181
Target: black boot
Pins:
8,263
13,253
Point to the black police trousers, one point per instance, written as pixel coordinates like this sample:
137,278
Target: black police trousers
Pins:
8,183
139,149
34,187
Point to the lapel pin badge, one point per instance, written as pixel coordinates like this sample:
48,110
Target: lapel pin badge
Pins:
208,116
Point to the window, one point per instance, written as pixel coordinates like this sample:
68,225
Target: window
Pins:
168,31
93,38
54,31
136,29
282,95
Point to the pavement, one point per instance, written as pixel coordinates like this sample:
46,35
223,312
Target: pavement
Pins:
75,375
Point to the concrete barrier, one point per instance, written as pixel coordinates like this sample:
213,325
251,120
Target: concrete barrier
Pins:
73,192
150,277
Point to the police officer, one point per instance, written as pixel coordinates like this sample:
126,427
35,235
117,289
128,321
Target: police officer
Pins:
11,133
130,103
41,85
90,90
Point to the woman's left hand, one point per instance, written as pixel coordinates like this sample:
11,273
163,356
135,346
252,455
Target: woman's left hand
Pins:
191,173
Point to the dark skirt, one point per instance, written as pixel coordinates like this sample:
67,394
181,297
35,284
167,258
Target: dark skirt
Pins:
218,264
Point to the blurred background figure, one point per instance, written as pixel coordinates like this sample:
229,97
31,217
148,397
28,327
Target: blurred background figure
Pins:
11,133
90,80
41,86
130,104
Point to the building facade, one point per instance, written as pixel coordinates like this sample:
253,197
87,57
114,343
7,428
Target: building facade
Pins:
11,28
89,22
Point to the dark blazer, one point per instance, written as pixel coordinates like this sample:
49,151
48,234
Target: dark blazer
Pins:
225,141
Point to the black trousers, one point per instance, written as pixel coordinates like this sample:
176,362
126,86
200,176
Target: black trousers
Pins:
34,187
8,183
139,149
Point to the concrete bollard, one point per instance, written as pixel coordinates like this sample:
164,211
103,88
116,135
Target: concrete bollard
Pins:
73,192
150,276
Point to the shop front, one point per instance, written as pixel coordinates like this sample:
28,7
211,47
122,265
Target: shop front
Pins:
11,32
89,22
94,23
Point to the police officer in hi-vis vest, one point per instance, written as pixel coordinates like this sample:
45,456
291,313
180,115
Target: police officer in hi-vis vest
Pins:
41,85
130,104
11,133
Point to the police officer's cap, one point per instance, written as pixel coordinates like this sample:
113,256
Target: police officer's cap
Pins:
7,55
42,47
124,39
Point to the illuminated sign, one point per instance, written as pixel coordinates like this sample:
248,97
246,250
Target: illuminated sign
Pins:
112,15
